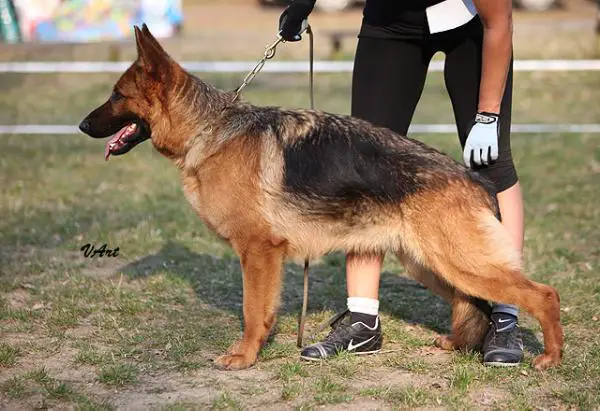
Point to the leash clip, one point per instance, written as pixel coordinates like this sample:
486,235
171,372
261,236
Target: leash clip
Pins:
271,49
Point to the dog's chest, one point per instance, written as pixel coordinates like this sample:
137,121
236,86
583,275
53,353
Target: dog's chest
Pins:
191,190
201,203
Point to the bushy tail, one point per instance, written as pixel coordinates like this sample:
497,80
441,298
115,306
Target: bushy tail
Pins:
470,315
470,321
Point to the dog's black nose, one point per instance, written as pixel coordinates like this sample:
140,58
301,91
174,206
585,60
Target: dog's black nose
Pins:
85,125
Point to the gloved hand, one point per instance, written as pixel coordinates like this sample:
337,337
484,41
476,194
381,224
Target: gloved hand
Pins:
293,19
482,142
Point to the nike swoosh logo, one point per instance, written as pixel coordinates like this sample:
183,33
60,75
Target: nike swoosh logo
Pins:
353,347
508,327
501,320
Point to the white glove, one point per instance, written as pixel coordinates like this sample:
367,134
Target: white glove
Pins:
482,141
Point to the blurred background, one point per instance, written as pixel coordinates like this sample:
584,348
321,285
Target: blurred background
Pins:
560,25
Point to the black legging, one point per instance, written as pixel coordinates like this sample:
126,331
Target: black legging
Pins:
389,76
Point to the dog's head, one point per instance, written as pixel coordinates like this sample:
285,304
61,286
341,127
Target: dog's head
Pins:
139,101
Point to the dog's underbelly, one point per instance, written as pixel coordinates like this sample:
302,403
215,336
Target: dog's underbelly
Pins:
313,236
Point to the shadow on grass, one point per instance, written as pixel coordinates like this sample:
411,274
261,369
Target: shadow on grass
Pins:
217,281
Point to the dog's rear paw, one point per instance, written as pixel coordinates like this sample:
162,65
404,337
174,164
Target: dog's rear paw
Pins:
545,361
234,362
445,342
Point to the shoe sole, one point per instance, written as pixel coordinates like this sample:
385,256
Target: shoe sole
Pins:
356,353
501,364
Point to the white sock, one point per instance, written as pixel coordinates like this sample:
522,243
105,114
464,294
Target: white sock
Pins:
363,305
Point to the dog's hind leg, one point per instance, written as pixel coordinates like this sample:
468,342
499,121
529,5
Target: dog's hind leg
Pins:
470,323
474,253
470,316
261,262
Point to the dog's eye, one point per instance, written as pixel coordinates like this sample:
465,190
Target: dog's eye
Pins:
115,96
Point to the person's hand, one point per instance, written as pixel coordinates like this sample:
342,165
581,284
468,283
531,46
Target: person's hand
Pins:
293,19
482,143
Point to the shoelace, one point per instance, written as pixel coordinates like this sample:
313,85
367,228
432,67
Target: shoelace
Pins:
338,333
507,338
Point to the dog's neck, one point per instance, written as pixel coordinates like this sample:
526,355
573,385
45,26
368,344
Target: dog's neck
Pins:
189,112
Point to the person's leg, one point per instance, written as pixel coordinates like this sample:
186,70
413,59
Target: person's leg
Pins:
387,83
510,202
462,74
362,282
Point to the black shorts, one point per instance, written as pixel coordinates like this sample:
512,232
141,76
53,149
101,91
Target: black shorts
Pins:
389,76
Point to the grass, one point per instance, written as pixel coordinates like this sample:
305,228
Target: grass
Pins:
8,355
579,399
118,374
290,391
418,366
151,320
461,379
40,386
225,402
327,391
13,388
90,355
288,371
405,396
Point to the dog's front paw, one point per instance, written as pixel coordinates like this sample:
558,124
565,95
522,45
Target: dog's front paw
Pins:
545,361
232,362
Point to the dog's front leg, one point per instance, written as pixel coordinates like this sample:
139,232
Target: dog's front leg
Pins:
262,265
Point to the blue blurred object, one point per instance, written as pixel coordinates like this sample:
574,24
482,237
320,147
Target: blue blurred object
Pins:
163,17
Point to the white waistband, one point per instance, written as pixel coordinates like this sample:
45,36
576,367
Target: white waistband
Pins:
450,14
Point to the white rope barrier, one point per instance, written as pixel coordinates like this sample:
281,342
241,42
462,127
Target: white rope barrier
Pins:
289,67
415,128
271,67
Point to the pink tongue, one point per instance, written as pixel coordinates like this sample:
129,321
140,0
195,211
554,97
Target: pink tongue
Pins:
113,139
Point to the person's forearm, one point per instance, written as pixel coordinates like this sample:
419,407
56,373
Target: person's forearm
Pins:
496,54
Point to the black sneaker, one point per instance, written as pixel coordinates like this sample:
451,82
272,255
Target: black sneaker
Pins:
356,338
503,346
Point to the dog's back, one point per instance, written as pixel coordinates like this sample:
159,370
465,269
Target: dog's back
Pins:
344,162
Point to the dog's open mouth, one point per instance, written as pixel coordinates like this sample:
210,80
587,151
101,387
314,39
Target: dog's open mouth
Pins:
121,142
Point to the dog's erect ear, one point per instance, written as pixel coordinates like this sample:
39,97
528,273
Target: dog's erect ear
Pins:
151,39
144,59
151,56
139,40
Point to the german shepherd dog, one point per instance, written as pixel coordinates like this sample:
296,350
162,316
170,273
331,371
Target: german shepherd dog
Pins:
278,184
